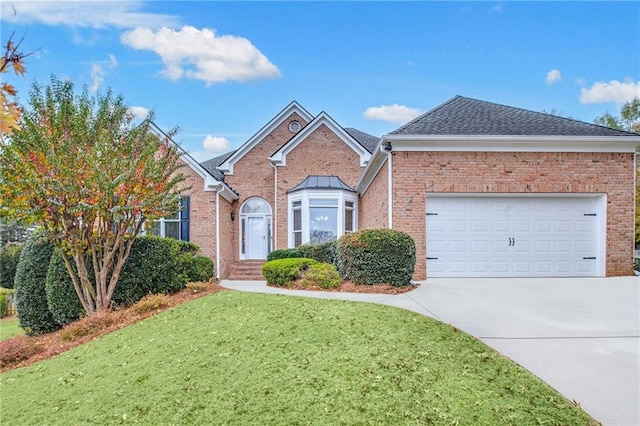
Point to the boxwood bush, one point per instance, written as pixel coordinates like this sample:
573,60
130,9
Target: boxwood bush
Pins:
323,252
283,271
284,254
31,298
62,298
377,256
9,256
324,275
200,268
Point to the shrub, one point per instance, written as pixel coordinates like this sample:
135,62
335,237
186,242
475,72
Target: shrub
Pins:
152,302
284,254
200,269
323,252
86,326
283,271
31,297
323,275
197,286
18,349
62,298
3,305
377,256
9,257
155,265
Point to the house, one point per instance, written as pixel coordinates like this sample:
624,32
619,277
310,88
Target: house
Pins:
485,190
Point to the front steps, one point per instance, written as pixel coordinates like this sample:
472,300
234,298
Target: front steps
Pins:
247,270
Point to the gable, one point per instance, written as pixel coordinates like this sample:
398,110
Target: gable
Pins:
279,158
293,108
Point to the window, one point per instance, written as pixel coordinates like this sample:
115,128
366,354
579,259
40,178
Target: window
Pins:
176,225
319,216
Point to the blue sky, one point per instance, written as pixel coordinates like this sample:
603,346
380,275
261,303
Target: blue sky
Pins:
220,70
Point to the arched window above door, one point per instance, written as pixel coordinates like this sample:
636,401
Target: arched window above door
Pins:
255,205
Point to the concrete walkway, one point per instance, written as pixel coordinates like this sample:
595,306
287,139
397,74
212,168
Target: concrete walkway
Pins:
580,335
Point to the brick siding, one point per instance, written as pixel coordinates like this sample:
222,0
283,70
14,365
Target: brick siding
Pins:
374,204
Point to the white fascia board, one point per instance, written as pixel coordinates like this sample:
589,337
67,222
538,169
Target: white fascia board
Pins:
378,158
500,143
293,107
279,158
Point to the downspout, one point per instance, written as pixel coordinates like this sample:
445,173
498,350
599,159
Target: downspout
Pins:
390,183
274,231
218,232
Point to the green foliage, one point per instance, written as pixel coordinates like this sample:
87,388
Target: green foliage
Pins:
323,252
283,271
31,297
200,269
324,275
83,169
3,305
62,298
628,120
284,254
377,256
9,256
155,265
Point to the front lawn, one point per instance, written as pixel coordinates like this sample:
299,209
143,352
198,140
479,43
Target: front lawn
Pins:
9,327
243,358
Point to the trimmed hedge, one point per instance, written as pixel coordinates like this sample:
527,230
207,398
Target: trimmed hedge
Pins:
323,252
283,271
324,275
155,265
9,257
62,298
31,298
377,256
284,254
200,268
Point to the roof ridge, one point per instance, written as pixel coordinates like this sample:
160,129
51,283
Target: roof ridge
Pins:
425,114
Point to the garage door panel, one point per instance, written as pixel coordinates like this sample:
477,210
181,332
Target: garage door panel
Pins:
512,236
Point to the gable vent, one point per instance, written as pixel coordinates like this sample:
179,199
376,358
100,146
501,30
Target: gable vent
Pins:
294,126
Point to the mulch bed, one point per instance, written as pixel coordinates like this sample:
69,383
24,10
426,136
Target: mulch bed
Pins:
350,287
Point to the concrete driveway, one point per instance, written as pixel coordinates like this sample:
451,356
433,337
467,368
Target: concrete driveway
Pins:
580,335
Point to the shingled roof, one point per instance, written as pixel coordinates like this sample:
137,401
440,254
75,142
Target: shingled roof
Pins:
369,142
466,116
212,165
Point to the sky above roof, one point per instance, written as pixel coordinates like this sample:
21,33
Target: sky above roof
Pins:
221,70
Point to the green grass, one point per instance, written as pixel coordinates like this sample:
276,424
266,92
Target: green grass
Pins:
9,327
242,358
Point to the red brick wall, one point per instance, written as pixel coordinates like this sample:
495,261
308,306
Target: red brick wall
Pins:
417,173
253,175
320,153
374,203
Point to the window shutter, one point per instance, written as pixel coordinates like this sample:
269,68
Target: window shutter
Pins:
184,218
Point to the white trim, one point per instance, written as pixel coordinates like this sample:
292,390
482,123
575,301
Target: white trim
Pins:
601,238
217,235
274,230
376,162
268,217
279,158
304,196
390,189
501,143
293,107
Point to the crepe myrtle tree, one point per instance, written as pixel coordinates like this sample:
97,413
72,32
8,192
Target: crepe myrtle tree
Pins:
80,168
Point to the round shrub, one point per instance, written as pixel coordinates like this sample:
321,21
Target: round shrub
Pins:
155,265
9,256
323,252
323,275
31,297
200,269
283,271
284,254
377,256
62,298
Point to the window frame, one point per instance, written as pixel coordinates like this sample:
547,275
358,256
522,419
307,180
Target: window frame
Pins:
182,219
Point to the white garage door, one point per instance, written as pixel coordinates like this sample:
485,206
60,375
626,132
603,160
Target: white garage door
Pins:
514,236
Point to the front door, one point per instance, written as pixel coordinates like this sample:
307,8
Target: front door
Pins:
257,237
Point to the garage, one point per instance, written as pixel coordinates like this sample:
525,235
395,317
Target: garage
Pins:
515,236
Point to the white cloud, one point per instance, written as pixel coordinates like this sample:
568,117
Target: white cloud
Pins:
216,144
496,8
553,76
98,72
84,14
97,77
613,91
201,55
139,112
393,113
